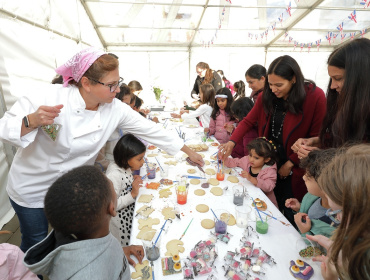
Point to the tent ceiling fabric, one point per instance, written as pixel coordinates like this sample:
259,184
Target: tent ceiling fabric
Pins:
194,23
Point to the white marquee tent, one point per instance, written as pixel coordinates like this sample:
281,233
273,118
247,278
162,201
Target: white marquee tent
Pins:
159,42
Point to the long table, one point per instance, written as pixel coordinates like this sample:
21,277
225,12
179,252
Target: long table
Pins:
281,242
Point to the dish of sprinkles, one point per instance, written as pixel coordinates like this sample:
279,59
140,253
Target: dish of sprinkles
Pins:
310,252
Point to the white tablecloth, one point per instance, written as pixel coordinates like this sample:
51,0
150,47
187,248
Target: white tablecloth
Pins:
280,242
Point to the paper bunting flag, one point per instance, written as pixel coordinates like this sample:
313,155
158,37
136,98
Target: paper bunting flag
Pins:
363,32
302,46
290,39
289,9
273,27
309,45
285,35
295,45
281,18
366,3
228,1
318,43
352,35
342,36
328,37
266,33
340,28
334,36
353,16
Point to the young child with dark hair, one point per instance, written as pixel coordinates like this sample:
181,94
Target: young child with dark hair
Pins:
128,156
259,167
204,111
240,109
79,206
221,116
311,218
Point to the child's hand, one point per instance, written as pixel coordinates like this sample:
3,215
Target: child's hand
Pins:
136,185
134,250
175,115
206,130
293,204
303,222
244,174
229,127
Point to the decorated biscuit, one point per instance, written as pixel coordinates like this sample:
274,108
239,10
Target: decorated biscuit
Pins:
301,270
174,247
148,222
144,271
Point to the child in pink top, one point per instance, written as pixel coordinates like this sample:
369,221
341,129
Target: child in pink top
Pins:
259,167
221,116
11,264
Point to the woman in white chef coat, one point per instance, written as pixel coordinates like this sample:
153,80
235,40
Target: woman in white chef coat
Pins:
63,127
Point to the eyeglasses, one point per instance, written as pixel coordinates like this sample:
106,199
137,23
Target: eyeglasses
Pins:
112,87
333,215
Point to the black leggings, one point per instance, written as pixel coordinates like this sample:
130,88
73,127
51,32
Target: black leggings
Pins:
283,191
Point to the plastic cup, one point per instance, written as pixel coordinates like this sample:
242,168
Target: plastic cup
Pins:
151,168
182,194
136,172
220,176
164,172
242,215
152,251
223,217
262,227
238,195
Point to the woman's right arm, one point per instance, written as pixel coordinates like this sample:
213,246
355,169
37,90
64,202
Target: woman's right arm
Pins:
243,127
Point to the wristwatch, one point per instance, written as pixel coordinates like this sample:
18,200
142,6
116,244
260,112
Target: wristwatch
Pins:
26,122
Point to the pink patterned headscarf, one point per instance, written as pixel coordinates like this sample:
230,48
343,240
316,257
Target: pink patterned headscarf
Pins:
75,67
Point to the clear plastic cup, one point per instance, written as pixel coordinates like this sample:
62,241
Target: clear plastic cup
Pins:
242,215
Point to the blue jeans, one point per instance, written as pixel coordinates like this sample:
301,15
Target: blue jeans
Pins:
33,223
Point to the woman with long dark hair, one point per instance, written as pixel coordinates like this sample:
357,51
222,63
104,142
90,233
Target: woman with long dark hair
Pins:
289,107
348,116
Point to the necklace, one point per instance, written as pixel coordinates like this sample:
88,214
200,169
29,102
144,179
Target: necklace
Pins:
276,136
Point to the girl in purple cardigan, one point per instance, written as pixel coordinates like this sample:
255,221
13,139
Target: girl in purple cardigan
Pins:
221,116
259,167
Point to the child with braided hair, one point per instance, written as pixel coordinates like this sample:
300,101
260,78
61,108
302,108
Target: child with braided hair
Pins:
259,167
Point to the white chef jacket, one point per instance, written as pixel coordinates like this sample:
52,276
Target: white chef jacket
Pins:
39,161
204,112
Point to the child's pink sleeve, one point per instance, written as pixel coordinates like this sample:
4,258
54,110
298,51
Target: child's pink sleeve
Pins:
11,263
212,127
267,180
237,162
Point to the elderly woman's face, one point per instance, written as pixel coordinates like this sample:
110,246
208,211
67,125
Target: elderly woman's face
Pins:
201,72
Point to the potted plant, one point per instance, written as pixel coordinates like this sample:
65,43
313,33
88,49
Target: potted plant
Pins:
158,93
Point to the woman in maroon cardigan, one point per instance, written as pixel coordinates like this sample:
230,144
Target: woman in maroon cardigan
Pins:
289,108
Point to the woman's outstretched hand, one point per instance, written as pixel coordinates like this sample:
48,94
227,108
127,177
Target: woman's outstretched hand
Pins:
225,150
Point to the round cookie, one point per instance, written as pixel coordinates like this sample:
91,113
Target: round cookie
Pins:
210,171
202,208
233,179
217,191
202,155
213,182
206,162
199,192
191,171
152,155
195,181
232,220
208,223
